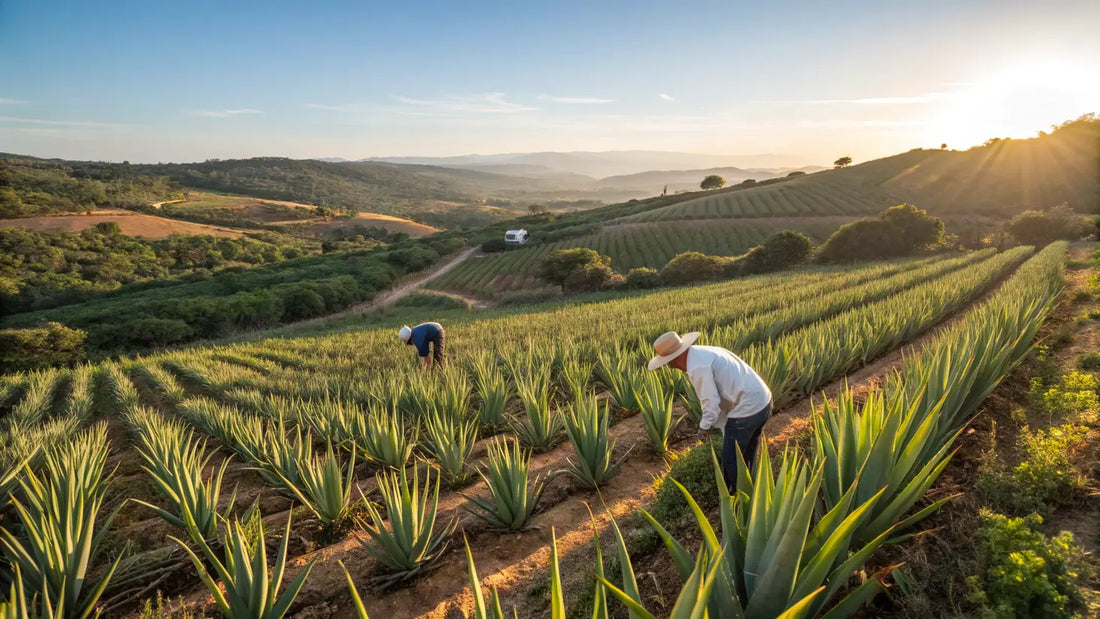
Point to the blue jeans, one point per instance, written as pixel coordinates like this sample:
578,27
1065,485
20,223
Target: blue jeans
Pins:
743,432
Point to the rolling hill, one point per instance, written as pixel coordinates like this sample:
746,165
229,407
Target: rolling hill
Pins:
973,190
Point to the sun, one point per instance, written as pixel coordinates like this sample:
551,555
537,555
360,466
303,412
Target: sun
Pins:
1017,101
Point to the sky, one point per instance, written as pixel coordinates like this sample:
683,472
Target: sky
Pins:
802,82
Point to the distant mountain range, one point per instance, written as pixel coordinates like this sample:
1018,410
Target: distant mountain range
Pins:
599,165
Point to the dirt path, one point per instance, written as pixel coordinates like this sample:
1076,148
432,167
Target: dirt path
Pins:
514,563
163,202
398,292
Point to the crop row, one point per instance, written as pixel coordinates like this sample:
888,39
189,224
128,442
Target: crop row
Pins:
534,384
799,198
630,246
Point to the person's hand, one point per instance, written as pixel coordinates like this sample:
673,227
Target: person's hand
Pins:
703,435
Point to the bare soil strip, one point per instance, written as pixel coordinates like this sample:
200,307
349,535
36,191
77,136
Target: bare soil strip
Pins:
131,224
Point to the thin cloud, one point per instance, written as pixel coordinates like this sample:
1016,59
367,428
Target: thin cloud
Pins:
4,101
485,103
339,107
56,123
666,97
924,98
226,113
578,100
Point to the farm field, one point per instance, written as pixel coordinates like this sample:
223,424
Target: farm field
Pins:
296,429
249,211
131,224
631,245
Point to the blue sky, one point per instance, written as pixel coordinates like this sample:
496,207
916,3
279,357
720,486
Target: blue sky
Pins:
180,81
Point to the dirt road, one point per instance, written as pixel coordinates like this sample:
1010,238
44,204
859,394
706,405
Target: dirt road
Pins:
400,291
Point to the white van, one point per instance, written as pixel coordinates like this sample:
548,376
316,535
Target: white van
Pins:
515,237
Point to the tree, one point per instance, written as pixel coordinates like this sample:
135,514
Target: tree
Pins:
536,209
943,146
593,276
560,264
712,182
917,229
843,162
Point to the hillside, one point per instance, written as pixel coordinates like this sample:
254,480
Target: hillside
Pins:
1000,179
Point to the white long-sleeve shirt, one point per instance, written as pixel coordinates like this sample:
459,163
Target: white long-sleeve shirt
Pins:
726,385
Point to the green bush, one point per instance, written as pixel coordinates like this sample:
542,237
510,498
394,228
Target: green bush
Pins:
643,277
692,266
1090,362
782,250
900,230
578,269
1041,228
1076,392
47,346
431,299
1023,573
695,471
1046,477
493,245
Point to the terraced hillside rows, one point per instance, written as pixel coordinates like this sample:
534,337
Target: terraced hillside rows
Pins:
630,245
314,421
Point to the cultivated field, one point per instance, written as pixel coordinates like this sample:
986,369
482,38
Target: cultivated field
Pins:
132,224
631,245
302,427
255,211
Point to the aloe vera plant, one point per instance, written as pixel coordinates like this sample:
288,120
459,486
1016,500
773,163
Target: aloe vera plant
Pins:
775,558
541,427
657,414
492,610
413,540
575,376
175,461
450,441
623,378
493,390
587,427
322,485
381,438
360,609
60,540
513,495
250,591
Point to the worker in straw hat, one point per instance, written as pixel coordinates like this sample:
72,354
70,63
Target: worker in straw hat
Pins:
428,339
733,396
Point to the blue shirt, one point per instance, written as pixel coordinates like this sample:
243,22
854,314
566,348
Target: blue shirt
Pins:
423,335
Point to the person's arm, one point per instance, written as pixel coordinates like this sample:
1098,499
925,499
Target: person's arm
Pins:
710,401
425,363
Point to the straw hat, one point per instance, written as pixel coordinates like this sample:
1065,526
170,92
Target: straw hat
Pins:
669,346
405,333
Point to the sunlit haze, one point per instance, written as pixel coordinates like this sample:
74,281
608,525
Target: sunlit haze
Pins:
774,83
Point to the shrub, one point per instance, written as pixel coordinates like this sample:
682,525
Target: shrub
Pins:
695,471
863,239
1023,573
494,245
781,251
592,277
1046,477
917,229
692,266
1041,228
47,346
1089,362
561,263
643,277
432,299
899,231
1075,393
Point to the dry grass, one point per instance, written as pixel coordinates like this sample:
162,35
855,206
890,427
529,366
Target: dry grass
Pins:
131,224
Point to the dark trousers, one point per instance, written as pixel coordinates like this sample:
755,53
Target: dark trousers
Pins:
439,355
743,432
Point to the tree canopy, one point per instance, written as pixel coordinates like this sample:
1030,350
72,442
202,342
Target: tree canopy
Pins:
712,182
843,162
